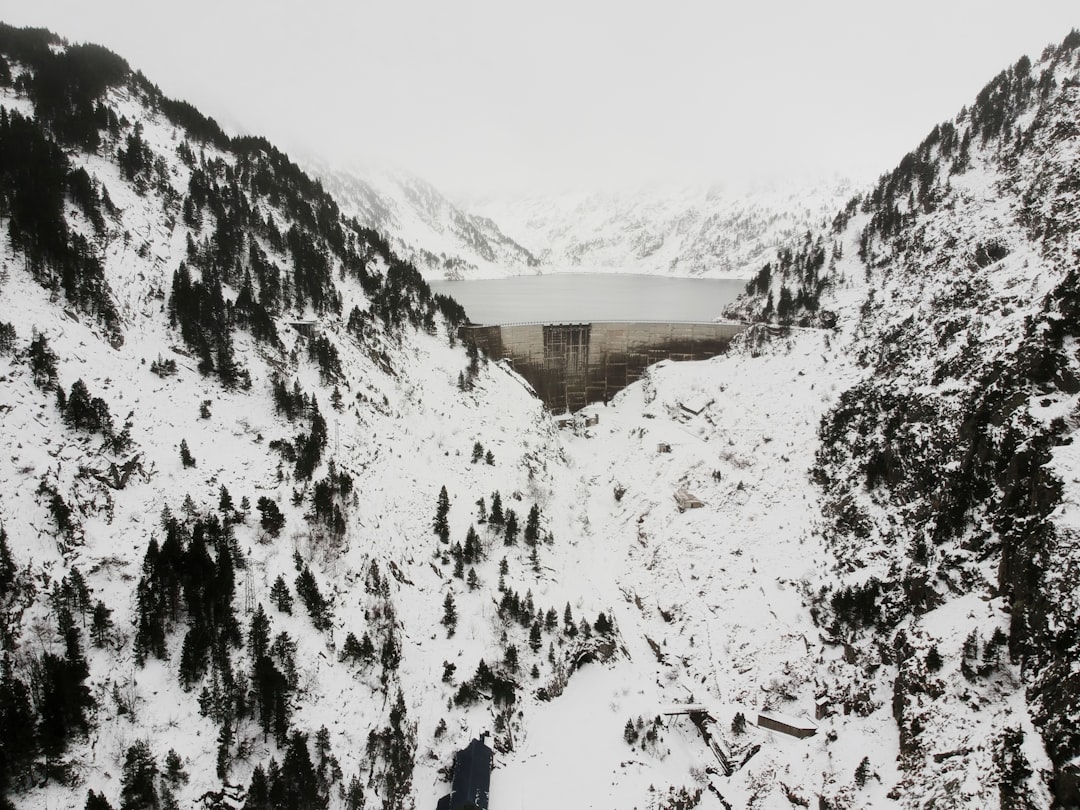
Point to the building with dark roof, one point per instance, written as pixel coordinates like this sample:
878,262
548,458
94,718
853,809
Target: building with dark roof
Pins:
472,779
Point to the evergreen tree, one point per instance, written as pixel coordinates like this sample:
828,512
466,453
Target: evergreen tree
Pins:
510,658
7,567
862,772
317,606
258,793
280,596
602,625
42,362
496,514
258,634
300,786
225,502
738,724
186,458
934,661
139,791
272,520
535,639
97,801
449,619
102,624
532,525
489,458
19,741
511,528
442,509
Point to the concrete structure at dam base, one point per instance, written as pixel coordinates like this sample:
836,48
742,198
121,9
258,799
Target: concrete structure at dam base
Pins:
571,365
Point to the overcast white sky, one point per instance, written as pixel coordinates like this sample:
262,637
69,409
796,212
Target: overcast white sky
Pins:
493,96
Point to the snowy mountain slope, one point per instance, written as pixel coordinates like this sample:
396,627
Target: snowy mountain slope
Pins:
231,417
688,231
945,467
438,237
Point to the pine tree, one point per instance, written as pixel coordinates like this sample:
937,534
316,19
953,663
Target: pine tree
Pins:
101,625
738,723
536,640
272,520
7,567
280,596
19,741
496,515
511,528
449,619
472,581
441,526
477,452
225,502
532,525
139,791
186,458
97,801
258,634
862,772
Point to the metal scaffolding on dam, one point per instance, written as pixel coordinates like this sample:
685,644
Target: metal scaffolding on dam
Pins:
571,365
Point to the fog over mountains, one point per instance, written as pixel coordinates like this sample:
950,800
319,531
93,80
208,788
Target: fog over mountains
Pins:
272,535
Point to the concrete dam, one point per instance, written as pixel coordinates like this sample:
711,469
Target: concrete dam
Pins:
571,365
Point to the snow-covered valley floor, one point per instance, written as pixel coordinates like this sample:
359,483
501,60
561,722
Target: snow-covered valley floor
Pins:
709,602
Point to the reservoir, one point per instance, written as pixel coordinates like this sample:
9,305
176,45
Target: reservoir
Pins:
581,297
579,339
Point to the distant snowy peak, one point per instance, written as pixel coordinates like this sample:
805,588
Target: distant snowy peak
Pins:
423,225
684,231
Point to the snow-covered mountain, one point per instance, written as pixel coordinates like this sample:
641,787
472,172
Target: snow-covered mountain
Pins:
271,536
706,232
424,226
947,471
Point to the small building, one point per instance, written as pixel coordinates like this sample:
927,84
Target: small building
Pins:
593,420
794,726
304,327
695,405
687,501
822,707
471,781
663,447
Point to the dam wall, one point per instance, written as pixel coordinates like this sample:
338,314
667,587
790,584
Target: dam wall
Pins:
571,365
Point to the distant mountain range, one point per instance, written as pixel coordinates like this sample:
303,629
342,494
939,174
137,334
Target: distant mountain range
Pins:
694,231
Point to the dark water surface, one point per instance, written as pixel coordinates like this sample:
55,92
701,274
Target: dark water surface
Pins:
570,297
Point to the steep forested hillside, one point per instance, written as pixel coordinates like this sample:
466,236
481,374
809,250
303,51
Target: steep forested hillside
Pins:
948,474
228,415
